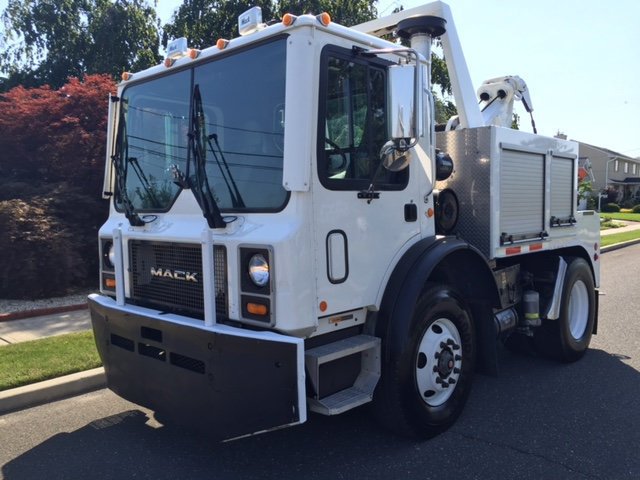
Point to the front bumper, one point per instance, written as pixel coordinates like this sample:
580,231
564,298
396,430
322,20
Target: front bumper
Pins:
228,381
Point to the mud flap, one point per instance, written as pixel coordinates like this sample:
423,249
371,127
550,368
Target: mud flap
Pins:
226,381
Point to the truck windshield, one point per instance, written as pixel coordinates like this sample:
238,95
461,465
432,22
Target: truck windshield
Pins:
240,133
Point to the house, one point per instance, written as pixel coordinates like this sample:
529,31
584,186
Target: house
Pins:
613,171
609,171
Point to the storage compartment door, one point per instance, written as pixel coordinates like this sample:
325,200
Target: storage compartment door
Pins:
563,197
521,195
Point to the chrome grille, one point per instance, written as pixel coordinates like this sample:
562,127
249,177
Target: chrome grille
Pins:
168,277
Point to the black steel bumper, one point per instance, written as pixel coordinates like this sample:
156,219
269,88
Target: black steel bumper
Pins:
227,381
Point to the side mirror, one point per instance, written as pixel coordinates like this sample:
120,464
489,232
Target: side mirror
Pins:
403,102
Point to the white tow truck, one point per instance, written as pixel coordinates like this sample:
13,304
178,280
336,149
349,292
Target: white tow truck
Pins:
288,232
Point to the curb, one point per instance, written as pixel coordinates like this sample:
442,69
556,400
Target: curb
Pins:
5,317
617,246
52,390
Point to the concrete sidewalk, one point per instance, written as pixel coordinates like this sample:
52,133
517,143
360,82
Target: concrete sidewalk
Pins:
629,227
33,328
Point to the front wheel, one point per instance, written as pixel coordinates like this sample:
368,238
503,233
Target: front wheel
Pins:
568,337
424,387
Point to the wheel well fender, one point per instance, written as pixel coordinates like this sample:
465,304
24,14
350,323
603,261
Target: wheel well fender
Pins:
447,260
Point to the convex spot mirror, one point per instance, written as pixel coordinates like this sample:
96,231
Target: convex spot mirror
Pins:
394,155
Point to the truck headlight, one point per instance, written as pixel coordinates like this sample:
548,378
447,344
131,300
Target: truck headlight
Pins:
259,270
108,254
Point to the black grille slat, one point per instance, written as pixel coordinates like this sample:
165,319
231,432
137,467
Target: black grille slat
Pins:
168,276
187,363
221,282
122,342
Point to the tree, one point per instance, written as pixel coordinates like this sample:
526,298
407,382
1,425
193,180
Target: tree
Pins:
205,21
124,37
344,12
49,41
53,148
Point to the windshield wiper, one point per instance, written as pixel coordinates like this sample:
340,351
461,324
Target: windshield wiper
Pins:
120,163
234,193
148,188
199,183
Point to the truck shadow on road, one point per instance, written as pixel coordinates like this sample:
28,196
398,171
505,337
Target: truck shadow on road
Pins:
538,419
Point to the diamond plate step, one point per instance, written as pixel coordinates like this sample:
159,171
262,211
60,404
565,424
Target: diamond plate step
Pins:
362,389
341,348
340,402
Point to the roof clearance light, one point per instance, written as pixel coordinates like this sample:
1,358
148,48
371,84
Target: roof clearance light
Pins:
288,19
193,53
126,76
222,43
324,18
177,48
250,21
168,62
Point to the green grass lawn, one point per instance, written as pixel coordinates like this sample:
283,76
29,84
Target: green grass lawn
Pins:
30,362
629,217
618,237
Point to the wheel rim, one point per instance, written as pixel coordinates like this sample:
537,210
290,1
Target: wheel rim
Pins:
578,309
438,362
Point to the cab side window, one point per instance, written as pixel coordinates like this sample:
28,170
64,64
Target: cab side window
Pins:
353,123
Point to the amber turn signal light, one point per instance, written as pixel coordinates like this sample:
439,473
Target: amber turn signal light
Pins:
257,309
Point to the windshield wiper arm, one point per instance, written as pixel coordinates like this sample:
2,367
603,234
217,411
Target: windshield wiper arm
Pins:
200,186
133,161
119,160
234,193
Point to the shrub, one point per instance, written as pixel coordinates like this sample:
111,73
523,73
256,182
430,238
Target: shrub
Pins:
628,203
636,209
49,242
51,164
610,208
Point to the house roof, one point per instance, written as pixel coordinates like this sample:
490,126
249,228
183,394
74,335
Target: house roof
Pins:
631,180
611,153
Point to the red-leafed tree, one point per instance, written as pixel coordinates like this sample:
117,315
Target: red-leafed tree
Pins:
52,153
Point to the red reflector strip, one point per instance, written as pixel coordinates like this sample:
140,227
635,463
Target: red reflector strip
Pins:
535,246
513,250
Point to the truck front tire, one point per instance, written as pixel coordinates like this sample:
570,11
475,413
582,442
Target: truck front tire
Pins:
424,387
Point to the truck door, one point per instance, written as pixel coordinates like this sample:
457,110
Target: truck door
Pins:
357,233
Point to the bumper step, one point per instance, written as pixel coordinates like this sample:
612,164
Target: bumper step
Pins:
361,391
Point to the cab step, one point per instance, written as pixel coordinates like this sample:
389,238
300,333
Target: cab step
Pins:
362,390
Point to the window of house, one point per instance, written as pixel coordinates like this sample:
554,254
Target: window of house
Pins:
616,166
633,168
626,167
353,123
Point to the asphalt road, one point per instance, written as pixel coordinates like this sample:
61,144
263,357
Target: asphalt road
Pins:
538,419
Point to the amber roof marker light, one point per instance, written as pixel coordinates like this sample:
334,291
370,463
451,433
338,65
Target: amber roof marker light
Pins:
324,18
288,19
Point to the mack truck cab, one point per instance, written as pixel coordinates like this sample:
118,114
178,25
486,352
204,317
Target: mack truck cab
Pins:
289,233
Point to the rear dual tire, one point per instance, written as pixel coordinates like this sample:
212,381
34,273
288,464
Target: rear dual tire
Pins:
567,338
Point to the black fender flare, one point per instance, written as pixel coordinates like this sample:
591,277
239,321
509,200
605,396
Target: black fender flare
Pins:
407,281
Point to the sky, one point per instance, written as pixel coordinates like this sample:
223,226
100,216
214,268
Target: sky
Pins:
579,58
